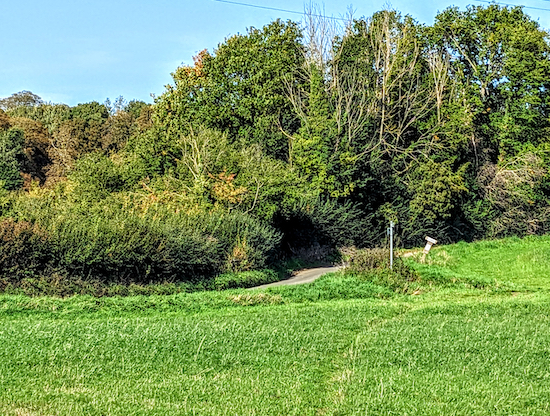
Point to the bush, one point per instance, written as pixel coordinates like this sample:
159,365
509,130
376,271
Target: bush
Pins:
369,259
247,243
130,248
373,265
24,249
96,176
113,242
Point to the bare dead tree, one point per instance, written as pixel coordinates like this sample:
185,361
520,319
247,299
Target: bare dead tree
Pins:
404,93
386,85
319,33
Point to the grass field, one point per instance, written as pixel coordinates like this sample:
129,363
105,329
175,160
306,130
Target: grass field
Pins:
474,339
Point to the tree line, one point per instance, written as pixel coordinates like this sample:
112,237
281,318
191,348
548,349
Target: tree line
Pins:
290,140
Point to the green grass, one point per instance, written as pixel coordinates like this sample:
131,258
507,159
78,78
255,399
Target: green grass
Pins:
517,263
343,345
473,358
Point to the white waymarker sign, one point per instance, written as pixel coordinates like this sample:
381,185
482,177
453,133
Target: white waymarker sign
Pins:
429,243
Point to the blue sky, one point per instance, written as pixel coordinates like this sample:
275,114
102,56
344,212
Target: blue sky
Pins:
75,51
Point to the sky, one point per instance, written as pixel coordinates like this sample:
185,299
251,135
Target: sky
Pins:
72,52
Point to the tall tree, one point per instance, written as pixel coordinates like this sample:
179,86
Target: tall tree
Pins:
501,55
11,158
20,99
239,89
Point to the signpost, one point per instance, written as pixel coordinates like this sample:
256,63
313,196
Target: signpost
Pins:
390,233
429,243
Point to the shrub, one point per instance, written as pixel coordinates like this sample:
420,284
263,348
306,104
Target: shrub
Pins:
24,249
373,265
114,240
96,176
369,259
109,241
243,242
131,249
248,242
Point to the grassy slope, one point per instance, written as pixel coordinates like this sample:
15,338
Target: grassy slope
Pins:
520,263
451,350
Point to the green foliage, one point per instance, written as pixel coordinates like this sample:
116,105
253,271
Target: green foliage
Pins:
516,190
135,107
11,158
117,130
97,176
153,150
245,242
24,250
20,99
238,90
435,188
262,186
115,240
51,116
317,222
6,199
208,169
313,146
245,279
373,265
90,112
285,143
199,156
503,64
129,249
37,143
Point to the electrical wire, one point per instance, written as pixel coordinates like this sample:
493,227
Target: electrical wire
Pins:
515,5
345,20
278,10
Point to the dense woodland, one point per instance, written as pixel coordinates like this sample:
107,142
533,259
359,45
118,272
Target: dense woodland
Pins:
287,141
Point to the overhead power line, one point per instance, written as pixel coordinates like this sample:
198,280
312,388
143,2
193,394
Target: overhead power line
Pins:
279,10
515,5
256,6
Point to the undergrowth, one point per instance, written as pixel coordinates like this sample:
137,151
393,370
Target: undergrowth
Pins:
60,284
416,274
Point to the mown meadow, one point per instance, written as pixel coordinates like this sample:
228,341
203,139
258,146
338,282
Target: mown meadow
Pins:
467,333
